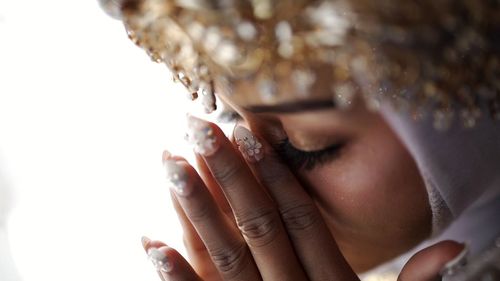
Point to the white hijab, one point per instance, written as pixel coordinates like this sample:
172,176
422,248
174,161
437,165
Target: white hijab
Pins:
461,169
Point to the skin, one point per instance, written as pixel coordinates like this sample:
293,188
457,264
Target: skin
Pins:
240,225
372,196
364,207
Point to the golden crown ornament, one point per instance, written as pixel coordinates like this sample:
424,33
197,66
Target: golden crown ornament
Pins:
432,56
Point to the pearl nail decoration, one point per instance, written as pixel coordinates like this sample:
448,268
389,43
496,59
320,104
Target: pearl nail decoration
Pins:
160,260
201,135
177,177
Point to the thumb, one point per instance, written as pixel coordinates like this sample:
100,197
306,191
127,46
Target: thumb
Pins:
427,264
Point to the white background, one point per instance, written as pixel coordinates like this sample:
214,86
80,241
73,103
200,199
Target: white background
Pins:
84,118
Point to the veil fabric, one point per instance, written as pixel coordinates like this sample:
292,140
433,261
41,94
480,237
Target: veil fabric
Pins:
461,170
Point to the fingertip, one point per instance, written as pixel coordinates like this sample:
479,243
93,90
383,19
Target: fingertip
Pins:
148,244
173,266
205,137
167,155
145,241
249,145
178,172
430,263
161,259
450,245
457,257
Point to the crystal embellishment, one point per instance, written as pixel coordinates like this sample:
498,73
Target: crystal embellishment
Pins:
201,135
242,47
160,260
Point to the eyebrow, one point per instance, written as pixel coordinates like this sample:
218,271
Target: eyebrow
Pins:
292,107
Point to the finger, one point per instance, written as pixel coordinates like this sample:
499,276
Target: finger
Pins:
213,187
256,215
169,264
427,264
197,252
315,247
147,244
223,241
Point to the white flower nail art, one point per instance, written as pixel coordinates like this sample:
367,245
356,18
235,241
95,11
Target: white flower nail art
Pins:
248,144
160,260
177,176
201,136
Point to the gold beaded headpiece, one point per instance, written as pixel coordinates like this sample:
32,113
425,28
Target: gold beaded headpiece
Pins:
437,56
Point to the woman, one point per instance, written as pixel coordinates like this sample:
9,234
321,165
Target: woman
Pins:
315,184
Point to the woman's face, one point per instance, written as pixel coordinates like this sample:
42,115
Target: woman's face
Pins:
361,177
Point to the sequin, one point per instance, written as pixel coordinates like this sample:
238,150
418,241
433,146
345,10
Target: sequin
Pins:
439,56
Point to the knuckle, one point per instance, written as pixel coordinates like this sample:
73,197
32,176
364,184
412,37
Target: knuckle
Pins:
199,214
278,176
298,218
274,178
190,244
227,175
230,260
259,228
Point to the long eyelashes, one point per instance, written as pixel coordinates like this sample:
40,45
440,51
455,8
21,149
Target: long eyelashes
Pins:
298,159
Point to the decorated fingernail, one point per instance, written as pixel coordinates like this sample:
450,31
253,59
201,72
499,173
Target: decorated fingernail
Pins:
248,144
160,260
456,264
202,136
145,241
177,176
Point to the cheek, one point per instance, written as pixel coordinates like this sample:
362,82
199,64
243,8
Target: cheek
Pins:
374,187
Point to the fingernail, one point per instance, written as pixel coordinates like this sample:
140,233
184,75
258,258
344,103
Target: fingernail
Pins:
455,264
201,135
160,260
248,144
145,241
166,155
177,177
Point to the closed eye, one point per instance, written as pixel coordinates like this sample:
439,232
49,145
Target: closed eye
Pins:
308,160
296,159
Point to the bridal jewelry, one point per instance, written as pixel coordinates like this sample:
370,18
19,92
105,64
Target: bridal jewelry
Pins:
441,56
